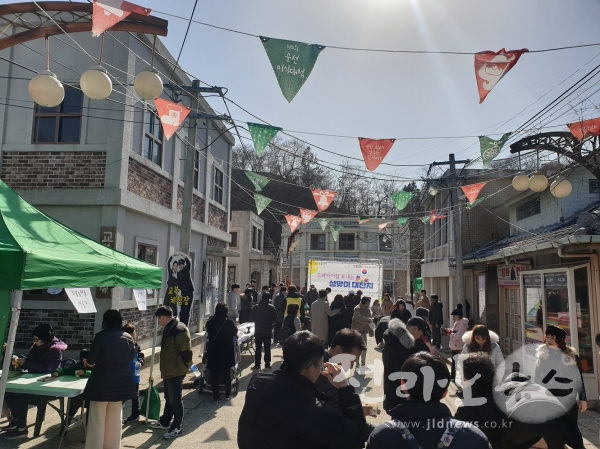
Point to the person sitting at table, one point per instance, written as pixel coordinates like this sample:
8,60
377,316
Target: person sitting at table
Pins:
79,369
43,358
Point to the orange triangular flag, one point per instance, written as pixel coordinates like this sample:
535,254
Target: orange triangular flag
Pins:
107,13
472,190
307,215
171,115
293,221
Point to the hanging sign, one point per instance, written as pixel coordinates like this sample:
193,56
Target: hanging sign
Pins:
307,215
293,221
364,219
474,203
382,226
587,128
435,217
374,151
292,63
262,135
140,297
171,115
180,286
323,198
107,13
490,67
402,221
323,222
472,190
259,181
335,232
261,202
81,298
510,274
491,148
401,199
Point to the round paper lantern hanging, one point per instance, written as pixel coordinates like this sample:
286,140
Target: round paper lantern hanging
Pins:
561,187
46,90
147,84
538,182
520,182
96,84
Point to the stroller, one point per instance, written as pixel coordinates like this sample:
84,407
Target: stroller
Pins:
205,383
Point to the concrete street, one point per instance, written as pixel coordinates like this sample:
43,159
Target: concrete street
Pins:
216,424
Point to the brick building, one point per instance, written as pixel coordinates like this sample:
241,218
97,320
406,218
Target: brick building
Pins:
105,169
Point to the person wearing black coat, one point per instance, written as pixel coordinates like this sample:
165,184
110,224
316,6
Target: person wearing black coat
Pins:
220,350
264,317
349,302
382,326
401,312
436,319
110,383
341,320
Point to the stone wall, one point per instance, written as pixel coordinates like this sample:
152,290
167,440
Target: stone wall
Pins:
197,205
143,320
217,217
148,184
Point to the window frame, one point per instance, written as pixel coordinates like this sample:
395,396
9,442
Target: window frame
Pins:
526,210
317,247
218,190
58,115
139,245
596,186
156,140
345,237
234,239
382,245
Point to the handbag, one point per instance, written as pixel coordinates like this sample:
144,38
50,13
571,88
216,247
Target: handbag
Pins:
154,409
205,355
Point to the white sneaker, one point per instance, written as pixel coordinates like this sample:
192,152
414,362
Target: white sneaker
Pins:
173,434
157,425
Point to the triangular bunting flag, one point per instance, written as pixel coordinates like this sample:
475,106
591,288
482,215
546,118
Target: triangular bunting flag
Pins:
363,220
402,221
425,219
472,190
261,202
435,217
335,232
292,63
307,215
171,115
474,203
374,151
491,148
323,198
293,222
323,222
259,181
382,226
107,13
490,67
587,128
401,199
262,135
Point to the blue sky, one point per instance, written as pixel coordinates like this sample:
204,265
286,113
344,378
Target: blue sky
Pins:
381,95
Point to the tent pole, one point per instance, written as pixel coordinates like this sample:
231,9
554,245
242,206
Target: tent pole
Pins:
10,344
151,382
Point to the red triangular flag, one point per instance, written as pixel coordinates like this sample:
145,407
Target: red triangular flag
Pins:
293,221
107,13
323,198
374,150
587,128
490,67
382,226
472,190
307,215
171,115
434,217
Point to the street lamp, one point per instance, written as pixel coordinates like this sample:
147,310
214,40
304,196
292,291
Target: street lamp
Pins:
45,88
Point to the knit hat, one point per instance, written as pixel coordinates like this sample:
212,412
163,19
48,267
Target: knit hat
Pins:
556,331
458,312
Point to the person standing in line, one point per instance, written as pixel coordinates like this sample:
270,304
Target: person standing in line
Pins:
175,363
341,320
387,304
361,320
220,353
320,312
424,300
312,295
358,298
377,311
399,345
251,292
279,303
136,365
436,320
264,316
349,301
232,300
456,334
246,304
294,297
400,311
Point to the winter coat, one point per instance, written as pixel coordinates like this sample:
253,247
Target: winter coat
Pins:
495,355
490,419
311,296
251,295
232,300
424,302
319,318
111,379
175,350
382,326
410,308
284,410
221,331
456,334
377,311
45,358
349,302
71,369
279,304
339,321
386,306
361,319
403,315
399,345
436,313
417,418
264,316
296,298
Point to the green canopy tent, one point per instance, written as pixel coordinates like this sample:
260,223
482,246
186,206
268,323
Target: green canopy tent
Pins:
37,252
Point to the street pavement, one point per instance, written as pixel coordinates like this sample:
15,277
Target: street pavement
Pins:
216,424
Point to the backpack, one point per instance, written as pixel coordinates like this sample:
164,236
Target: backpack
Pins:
452,430
287,328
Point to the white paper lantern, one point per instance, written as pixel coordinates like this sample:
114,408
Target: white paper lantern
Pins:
148,84
433,191
561,187
538,182
520,182
96,84
46,90
291,250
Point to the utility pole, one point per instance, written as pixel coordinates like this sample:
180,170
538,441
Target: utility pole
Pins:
394,286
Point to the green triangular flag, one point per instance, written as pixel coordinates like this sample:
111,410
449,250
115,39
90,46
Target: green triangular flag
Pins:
401,199
292,63
491,148
259,181
474,203
323,222
335,232
261,202
262,135
402,221
426,219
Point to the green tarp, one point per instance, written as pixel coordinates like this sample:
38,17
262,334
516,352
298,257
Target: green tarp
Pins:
37,252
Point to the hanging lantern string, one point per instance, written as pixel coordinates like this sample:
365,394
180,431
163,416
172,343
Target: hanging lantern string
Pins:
153,51
47,54
519,161
101,49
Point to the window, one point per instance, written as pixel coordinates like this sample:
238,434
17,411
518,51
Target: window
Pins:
254,237
385,243
62,123
234,242
218,191
230,276
528,209
346,241
594,185
197,171
317,241
147,253
153,138
259,239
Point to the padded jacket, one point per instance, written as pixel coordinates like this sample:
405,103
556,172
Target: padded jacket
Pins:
175,350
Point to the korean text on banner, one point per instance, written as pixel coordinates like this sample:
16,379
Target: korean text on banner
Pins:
140,297
81,299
